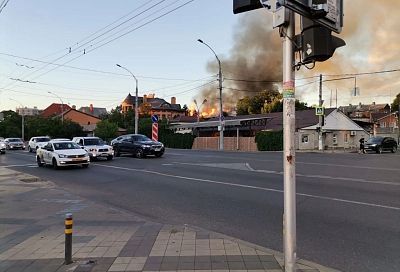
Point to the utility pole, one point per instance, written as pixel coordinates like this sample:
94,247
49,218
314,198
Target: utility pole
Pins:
320,102
22,113
398,121
289,149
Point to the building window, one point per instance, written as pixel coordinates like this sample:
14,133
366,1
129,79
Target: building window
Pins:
304,138
346,138
334,139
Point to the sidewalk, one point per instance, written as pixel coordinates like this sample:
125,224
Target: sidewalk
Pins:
105,239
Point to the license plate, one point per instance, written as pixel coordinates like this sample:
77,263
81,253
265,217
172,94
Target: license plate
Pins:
76,159
157,149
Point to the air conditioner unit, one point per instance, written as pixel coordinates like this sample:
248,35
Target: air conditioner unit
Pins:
353,133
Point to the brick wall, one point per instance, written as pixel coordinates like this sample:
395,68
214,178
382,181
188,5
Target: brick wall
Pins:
230,143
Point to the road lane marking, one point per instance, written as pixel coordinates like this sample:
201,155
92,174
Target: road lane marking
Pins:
249,168
251,187
299,162
19,165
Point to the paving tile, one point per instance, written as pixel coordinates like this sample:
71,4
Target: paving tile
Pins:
118,267
152,267
253,265
236,265
251,258
234,258
154,259
219,265
271,265
169,266
186,266
202,266
267,258
135,267
186,259
170,259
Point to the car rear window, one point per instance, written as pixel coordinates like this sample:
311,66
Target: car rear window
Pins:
41,140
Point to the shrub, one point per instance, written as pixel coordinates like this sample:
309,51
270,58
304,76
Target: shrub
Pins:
269,140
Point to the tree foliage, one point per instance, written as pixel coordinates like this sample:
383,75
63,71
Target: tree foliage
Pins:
11,124
106,130
396,102
264,102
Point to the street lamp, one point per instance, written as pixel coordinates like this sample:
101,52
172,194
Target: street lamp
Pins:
198,108
221,123
62,106
23,119
136,99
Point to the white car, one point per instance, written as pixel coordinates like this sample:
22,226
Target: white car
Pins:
96,147
2,147
37,142
62,153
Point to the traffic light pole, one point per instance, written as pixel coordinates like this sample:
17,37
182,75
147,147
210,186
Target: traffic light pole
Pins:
320,102
289,149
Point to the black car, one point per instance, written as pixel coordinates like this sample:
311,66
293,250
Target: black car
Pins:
137,145
379,144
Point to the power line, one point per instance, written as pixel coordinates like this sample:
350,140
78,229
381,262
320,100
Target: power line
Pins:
95,70
144,24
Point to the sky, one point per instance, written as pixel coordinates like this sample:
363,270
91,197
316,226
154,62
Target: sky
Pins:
86,39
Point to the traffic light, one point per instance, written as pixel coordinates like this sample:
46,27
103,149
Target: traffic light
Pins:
245,5
317,42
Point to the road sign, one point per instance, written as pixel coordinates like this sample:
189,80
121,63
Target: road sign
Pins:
154,132
328,13
154,118
319,111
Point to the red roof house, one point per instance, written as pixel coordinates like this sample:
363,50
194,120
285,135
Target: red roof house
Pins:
55,109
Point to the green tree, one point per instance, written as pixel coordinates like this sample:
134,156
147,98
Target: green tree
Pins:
396,102
11,125
106,130
242,106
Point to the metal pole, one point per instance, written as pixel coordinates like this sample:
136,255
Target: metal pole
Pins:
62,106
136,106
320,139
23,126
136,98
398,121
68,238
289,152
221,116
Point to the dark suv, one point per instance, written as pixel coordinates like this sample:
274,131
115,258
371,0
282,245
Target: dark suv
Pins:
379,144
137,145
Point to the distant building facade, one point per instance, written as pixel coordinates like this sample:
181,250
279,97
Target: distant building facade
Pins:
150,105
27,111
95,111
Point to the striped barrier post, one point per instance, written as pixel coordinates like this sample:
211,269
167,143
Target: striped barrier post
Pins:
154,133
68,238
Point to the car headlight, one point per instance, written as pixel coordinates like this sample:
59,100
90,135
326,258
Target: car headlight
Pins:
92,149
62,156
146,146
373,145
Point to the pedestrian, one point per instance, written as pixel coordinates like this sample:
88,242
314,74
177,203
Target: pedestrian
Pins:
362,141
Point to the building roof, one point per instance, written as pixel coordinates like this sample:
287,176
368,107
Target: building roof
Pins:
156,103
80,112
55,109
274,121
337,120
95,111
361,107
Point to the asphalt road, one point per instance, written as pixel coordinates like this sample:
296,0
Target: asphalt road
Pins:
348,205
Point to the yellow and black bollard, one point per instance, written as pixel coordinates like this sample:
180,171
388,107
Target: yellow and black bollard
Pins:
68,238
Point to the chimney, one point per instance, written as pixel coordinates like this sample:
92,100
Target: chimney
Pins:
373,103
173,100
91,108
144,98
74,107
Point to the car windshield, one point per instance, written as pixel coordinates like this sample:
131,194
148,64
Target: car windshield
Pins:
142,138
41,140
374,140
14,140
94,141
66,145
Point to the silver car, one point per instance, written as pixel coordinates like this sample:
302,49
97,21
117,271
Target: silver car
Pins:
14,143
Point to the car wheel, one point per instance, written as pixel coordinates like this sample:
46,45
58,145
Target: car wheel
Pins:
379,150
55,166
29,149
394,149
39,161
139,153
85,165
117,152
109,158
